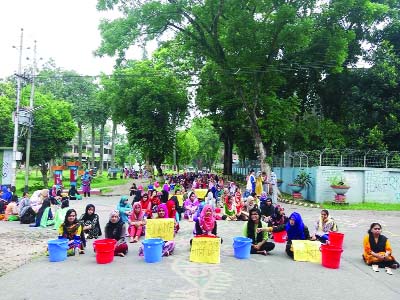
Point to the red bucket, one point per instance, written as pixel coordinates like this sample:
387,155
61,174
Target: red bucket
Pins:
104,250
331,256
280,236
336,239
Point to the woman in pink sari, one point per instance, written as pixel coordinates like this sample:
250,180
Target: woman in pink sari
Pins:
136,223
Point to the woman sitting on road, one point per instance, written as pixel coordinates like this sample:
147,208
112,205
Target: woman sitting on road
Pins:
60,214
323,226
229,208
377,250
172,212
71,229
72,192
124,209
190,206
44,215
26,213
115,229
146,206
169,246
136,223
257,230
90,222
296,230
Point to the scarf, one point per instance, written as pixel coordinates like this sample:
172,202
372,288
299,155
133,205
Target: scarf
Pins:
70,229
139,216
380,246
295,232
321,224
207,222
46,204
171,208
86,216
163,207
114,230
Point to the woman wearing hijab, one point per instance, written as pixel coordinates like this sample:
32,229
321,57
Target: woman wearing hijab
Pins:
86,180
206,224
44,215
296,230
90,222
124,209
210,200
72,193
60,214
115,229
190,206
71,229
378,251
26,213
146,206
229,208
323,226
136,223
7,195
172,213
257,231
169,246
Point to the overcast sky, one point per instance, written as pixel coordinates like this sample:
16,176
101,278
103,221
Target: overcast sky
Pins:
66,31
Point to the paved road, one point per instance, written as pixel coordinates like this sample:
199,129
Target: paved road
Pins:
176,278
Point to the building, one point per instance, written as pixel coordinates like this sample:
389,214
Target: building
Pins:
87,154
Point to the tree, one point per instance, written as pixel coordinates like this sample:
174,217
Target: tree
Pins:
152,103
7,104
73,88
187,147
254,45
53,129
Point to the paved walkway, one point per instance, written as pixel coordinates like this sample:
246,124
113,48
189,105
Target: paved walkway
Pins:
175,277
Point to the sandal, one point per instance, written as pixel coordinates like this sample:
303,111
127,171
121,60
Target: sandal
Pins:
375,268
394,266
131,240
121,254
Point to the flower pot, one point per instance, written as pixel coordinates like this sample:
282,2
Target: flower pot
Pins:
57,168
340,189
296,187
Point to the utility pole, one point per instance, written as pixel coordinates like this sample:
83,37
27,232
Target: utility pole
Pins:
28,139
16,117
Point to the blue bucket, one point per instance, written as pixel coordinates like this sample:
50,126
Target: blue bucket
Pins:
152,250
241,247
58,249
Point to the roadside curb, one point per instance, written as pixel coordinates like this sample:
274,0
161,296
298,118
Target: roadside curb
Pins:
300,203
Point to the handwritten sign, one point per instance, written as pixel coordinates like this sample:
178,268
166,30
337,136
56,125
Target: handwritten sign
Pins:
201,193
160,228
205,250
179,197
307,251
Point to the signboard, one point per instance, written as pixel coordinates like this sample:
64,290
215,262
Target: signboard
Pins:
307,251
205,250
160,228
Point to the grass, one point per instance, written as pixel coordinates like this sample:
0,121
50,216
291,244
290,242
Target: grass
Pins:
36,183
355,206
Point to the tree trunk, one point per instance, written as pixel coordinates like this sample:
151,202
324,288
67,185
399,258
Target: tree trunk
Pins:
44,170
228,149
93,145
159,170
260,148
113,134
101,149
80,142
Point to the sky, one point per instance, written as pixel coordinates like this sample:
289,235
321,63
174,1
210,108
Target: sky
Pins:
65,30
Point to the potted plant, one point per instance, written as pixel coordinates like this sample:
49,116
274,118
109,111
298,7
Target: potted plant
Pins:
302,180
338,185
73,163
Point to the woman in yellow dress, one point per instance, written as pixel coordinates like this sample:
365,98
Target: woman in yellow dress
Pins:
377,250
259,184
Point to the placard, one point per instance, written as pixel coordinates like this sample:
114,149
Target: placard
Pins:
179,197
201,193
307,251
160,228
205,250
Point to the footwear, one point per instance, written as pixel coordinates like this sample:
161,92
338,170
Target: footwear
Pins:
375,268
389,271
394,266
131,240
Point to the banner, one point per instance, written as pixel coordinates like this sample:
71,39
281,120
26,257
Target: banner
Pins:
307,251
160,228
201,193
205,250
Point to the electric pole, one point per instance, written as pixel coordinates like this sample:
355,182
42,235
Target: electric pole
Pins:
28,139
16,117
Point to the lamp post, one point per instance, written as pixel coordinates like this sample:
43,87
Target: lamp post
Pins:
16,117
28,139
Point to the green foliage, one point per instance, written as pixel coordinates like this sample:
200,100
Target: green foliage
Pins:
187,147
152,103
337,180
303,178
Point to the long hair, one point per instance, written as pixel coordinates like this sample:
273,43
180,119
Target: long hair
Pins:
250,226
372,226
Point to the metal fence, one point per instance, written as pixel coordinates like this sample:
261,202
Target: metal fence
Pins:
338,158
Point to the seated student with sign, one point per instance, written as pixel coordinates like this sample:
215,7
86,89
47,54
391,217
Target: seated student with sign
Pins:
206,224
173,213
136,223
257,230
296,230
169,246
